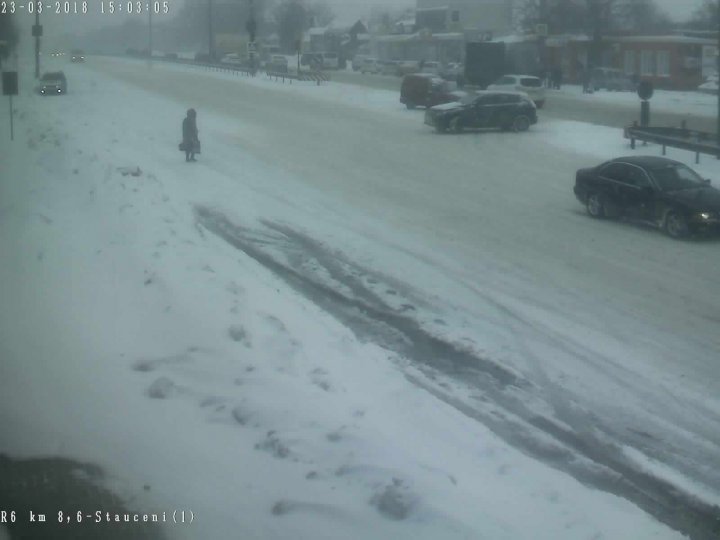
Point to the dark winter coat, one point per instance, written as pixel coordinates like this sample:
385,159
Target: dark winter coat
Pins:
190,132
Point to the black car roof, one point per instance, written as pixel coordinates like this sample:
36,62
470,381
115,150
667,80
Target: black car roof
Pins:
648,162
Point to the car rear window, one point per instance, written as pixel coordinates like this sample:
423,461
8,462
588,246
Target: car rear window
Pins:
531,81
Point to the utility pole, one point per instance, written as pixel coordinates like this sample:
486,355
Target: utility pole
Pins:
251,27
717,65
211,37
37,32
150,40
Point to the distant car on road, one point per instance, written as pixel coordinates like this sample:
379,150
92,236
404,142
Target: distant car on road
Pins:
388,67
424,90
406,67
358,61
431,67
52,83
231,59
314,60
330,60
277,64
487,109
529,84
370,65
452,71
659,191
77,56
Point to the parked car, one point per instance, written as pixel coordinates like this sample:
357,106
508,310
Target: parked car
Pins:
529,84
313,60
486,109
277,63
406,67
452,71
370,65
77,56
52,83
171,56
358,61
203,57
330,60
662,192
388,67
424,90
431,67
231,59
611,79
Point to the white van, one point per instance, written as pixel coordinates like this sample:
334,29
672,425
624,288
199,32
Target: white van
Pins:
330,60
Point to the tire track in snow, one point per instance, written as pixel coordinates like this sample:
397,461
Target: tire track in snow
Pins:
509,401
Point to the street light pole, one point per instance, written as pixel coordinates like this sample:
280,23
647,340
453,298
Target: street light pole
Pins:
36,32
211,38
150,40
251,27
717,65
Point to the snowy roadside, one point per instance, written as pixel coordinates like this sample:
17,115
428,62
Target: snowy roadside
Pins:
688,102
178,362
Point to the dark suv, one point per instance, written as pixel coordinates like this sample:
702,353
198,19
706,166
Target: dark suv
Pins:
425,90
505,110
656,190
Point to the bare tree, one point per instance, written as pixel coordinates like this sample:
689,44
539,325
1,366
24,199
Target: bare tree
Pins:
292,18
8,34
320,13
705,17
640,16
561,16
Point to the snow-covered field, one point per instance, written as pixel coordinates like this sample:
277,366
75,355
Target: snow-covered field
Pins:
158,320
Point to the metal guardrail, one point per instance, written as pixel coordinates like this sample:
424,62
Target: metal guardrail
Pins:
317,76
699,142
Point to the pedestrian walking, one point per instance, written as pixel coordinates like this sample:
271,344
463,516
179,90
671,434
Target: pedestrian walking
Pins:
190,143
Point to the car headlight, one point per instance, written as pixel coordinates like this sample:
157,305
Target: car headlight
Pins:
705,215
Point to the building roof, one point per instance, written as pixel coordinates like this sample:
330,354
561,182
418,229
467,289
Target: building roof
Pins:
663,39
399,38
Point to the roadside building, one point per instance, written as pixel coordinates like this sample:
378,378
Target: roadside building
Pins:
673,62
341,39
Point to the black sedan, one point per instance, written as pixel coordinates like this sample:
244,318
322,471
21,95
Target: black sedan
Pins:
505,110
655,190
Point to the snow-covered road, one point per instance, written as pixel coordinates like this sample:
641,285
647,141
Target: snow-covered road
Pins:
592,346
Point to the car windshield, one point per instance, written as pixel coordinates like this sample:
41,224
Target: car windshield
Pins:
505,80
533,82
676,177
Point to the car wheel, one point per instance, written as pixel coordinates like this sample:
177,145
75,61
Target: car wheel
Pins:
456,125
676,225
521,123
595,206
